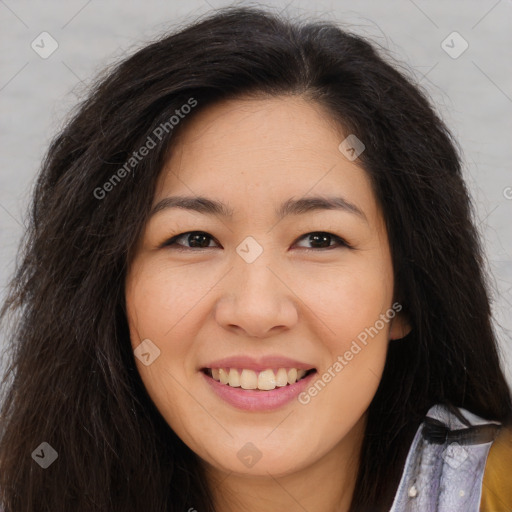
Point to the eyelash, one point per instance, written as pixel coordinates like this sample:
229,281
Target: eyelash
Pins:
172,241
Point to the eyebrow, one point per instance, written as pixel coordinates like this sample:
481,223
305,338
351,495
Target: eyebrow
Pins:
301,206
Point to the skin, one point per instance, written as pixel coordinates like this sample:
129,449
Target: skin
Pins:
297,299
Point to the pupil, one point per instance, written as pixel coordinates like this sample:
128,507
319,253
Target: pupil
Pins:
318,237
198,236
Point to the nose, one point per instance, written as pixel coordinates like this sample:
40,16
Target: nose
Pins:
257,301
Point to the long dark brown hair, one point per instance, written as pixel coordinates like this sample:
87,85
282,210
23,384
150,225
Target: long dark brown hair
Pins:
71,379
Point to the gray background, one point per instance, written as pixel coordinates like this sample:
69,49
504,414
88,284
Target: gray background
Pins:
473,92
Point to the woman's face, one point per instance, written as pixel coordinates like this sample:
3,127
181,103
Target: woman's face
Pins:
264,294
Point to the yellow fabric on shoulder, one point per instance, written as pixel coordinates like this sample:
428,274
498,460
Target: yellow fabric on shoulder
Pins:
497,481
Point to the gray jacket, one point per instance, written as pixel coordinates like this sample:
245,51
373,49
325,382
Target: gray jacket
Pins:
445,465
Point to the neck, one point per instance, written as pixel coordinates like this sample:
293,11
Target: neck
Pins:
325,485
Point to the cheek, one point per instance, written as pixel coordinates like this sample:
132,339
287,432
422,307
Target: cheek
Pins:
158,309
354,304
159,299
348,299
355,358
359,316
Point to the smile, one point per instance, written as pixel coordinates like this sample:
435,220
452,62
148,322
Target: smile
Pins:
257,391
265,380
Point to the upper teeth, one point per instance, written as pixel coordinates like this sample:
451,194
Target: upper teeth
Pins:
249,379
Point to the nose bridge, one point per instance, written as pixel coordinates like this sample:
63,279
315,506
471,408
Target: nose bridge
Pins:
256,299
253,266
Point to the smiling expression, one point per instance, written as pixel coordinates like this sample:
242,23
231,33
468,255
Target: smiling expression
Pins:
270,286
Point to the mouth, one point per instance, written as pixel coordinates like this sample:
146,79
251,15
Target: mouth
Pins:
257,384
266,380
258,389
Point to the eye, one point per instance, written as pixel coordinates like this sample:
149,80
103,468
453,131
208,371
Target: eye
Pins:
197,239
201,240
321,238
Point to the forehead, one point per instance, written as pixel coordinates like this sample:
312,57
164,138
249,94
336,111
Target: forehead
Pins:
263,150
264,127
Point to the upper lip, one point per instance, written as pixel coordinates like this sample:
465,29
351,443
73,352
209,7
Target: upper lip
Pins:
259,364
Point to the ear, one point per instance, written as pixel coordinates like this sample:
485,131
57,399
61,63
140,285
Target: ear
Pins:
399,327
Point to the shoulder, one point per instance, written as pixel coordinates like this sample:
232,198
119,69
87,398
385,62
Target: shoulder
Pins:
497,481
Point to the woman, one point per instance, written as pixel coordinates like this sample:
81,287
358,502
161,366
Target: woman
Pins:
179,345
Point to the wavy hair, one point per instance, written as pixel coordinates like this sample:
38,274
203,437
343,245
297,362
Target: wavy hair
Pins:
71,379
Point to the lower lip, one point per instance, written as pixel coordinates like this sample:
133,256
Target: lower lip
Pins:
253,400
